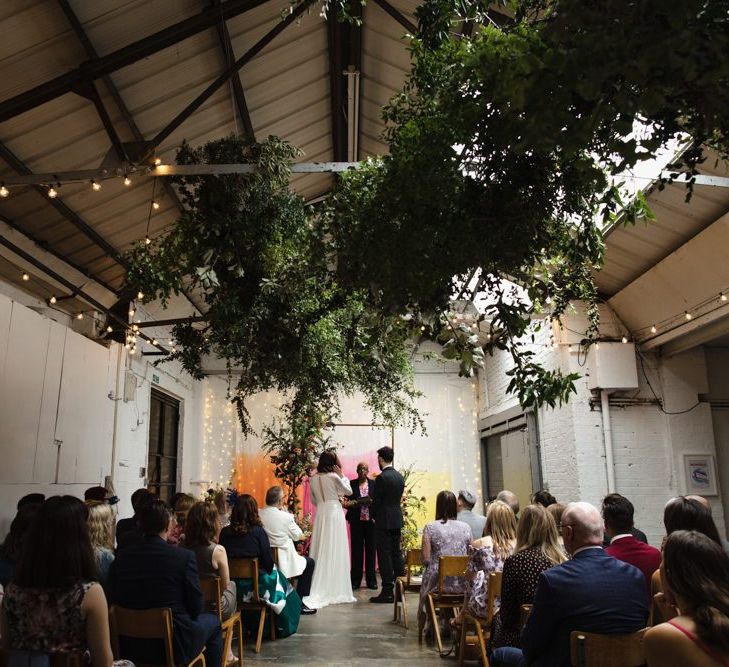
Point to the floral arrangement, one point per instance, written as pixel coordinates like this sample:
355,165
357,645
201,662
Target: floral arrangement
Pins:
304,522
413,506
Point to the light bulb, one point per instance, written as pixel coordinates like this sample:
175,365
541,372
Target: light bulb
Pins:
131,312
95,186
147,240
4,192
597,346
155,205
127,180
158,161
80,316
548,300
653,329
110,328
140,295
625,340
154,341
688,315
133,350
135,327
128,346
52,192
52,300
722,296
26,277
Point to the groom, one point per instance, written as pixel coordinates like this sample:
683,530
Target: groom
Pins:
387,513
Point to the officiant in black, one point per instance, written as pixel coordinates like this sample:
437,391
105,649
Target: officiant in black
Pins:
361,528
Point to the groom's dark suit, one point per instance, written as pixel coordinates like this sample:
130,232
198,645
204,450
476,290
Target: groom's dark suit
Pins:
387,513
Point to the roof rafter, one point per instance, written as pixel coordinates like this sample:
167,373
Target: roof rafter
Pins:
398,16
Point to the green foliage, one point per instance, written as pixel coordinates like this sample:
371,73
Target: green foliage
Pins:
275,308
413,507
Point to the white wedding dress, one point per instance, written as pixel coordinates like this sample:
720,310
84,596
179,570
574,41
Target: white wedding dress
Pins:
331,583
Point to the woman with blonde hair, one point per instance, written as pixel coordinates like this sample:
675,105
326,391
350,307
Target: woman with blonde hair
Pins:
488,554
101,532
537,549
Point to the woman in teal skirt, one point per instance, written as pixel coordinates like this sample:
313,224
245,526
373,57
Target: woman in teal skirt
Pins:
246,538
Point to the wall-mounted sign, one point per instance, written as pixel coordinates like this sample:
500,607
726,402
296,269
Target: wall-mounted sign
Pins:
700,474
155,378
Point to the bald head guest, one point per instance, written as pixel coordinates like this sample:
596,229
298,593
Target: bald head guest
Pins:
593,592
476,522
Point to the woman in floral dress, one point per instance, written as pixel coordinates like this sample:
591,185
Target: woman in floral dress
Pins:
443,537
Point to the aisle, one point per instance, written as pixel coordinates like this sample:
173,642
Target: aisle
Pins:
351,635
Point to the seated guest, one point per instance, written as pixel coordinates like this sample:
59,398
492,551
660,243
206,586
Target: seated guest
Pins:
593,592
543,498
149,573
125,527
31,499
181,507
246,538
477,522
201,527
221,502
556,510
510,498
13,546
617,511
488,554
446,536
100,494
54,603
707,505
101,532
695,573
282,532
537,549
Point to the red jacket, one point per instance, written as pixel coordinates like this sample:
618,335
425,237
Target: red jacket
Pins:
643,556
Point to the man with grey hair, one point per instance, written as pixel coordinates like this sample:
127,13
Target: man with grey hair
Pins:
510,498
476,522
283,531
593,592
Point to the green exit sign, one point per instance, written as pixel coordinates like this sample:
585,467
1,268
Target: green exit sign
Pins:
155,378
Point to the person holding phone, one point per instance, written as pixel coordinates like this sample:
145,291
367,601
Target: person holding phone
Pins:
329,549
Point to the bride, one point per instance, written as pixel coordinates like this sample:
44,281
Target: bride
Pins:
331,583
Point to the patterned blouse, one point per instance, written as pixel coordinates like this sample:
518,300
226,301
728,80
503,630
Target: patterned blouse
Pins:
45,620
518,585
482,563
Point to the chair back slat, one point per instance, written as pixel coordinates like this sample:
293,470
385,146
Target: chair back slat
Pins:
142,624
211,591
589,649
494,592
450,566
274,555
245,568
413,559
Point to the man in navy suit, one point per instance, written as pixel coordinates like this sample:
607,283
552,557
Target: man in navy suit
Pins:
593,592
361,528
150,573
386,510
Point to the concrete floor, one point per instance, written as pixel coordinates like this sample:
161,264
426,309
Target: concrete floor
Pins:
351,635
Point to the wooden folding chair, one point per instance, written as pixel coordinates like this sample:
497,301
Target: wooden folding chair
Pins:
70,659
247,568
212,593
146,624
409,582
526,609
589,649
482,626
448,566
274,555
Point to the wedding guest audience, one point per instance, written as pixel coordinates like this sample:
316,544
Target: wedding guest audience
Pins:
101,533
476,522
705,502
446,536
31,499
149,573
181,507
556,510
617,511
128,528
695,573
510,498
683,513
361,528
543,498
592,592
100,494
54,604
201,527
246,538
487,555
537,549
283,531
221,502
13,546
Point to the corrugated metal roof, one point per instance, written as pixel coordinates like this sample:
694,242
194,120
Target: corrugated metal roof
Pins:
287,89
632,250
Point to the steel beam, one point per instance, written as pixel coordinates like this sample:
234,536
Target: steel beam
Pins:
206,94
97,68
398,16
